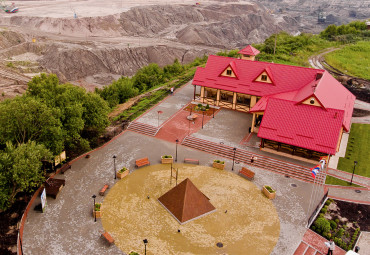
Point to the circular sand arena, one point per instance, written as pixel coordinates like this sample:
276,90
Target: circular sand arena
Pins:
245,221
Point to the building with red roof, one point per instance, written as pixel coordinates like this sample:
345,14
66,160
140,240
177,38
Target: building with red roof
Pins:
302,111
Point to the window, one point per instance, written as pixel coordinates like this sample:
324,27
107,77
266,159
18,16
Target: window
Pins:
312,101
229,72
264,77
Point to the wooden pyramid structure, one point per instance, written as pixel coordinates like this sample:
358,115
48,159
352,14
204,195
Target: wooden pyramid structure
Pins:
186,202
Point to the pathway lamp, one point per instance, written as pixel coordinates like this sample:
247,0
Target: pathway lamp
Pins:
94,196
354,166
232,169
159,112
145,243
177,141
114,166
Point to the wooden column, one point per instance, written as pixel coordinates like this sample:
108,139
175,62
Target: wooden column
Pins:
218,97
253,122
195,88
202,94
234,101
253,101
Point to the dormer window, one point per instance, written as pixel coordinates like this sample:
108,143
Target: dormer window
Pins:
263,77
229,72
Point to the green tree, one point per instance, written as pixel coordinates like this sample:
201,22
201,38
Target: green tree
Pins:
20,170
148,77
24,119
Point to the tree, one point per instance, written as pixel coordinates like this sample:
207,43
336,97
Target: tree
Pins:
148,77
20,170
24,119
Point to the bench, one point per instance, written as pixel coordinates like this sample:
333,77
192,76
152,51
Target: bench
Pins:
102,191
54,186
65,167
108,237
190,160
247,173
142,162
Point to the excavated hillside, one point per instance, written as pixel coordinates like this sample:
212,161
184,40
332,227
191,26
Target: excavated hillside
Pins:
92,51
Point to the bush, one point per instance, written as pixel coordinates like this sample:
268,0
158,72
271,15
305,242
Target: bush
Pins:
97,207
323,210
167,156
340,233
328,202
333,225
219,161
322,225
269,189
123,169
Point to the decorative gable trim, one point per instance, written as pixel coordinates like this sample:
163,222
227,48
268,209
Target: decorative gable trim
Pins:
230,71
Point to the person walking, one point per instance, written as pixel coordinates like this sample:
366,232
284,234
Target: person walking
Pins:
331,247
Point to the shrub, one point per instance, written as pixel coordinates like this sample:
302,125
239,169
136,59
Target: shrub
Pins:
123,169
133,253
97,207
323,210
167,156
269,189
219,161
333,225
322,225
327,202
340,233
337,221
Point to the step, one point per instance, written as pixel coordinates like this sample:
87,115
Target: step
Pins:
310,251
301,249
286,168
142,128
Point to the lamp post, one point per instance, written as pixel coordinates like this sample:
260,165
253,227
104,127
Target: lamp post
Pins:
354,166
145,243
114,166
94,196
214,107
232,169
177,141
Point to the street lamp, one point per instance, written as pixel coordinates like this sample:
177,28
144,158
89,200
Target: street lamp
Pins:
114,166
94,196
354,166
232,169
145,243
177,141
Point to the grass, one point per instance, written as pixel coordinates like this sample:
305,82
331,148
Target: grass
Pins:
335,181
358,148
353,59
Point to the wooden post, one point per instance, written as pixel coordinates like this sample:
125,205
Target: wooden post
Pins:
253,121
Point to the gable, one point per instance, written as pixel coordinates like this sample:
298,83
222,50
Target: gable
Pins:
228,72
312,101
264,77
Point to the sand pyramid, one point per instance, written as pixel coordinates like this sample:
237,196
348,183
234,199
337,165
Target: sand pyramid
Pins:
186,202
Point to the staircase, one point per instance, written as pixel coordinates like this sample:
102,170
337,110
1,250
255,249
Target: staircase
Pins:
306,249
274,165
143,128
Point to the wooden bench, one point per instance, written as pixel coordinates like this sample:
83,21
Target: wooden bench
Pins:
247,173
54,186
108,237
65,167
102,191
190,160
142,162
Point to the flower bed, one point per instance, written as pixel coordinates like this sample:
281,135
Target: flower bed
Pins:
341,221
167,159
219,164
122,173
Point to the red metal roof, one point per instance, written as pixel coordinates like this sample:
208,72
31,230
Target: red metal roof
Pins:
302,125
285,77
291,86
249,50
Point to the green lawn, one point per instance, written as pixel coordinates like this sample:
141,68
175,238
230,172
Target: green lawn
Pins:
352,59
335,181
358,149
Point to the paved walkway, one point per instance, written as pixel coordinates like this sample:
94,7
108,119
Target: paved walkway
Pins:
67,226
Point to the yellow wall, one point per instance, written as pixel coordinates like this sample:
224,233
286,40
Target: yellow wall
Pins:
225,72
268,78
340,138
307,101
247,57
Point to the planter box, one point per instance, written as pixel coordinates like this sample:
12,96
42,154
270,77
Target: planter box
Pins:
123,174
167,160
218,165
98,213
268,194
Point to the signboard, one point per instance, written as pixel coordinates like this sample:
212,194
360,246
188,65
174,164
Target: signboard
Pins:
43,200
60,158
